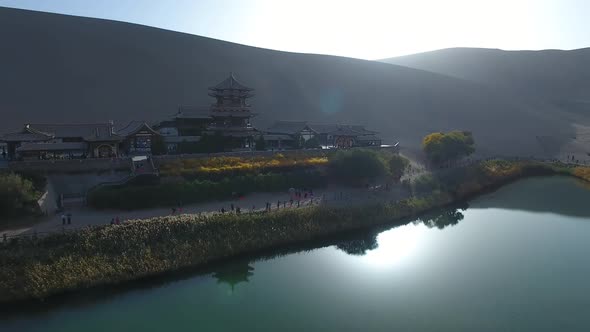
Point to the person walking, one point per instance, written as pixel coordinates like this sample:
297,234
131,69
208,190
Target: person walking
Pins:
63,219
69,215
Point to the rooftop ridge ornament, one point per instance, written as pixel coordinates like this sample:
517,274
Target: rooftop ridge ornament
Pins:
231,83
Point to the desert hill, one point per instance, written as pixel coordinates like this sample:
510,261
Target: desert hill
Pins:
561,78
59,68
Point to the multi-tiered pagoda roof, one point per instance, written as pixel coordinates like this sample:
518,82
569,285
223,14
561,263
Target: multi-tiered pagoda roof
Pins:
230,87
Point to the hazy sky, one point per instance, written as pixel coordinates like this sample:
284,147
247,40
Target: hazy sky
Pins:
368,29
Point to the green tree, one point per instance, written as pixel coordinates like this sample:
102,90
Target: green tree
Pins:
17,195
356,165
398,166
441,147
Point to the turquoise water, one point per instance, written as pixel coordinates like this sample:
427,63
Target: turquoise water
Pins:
514,260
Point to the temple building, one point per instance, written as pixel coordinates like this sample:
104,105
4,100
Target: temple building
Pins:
227,119
231,112
222,126
296,134
186,126
89,140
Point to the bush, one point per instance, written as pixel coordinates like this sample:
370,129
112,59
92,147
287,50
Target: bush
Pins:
398,166
441,147
17,196
220,167
425,184
356,165
170,194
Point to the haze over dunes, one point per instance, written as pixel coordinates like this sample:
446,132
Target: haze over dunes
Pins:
58,68
553,76
554,81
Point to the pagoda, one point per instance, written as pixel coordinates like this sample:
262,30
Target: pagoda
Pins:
231,113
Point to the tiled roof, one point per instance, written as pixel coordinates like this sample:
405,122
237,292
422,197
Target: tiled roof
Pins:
361,130
323,128
51,147
368,138
87,131
25,137
344,131
231,83
287,127
293,127
135,126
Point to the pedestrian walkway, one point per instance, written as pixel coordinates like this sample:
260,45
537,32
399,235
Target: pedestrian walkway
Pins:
334,196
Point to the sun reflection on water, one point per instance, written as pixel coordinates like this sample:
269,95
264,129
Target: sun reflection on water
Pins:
395,245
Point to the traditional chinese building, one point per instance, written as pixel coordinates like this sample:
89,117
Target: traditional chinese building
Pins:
231,113
227,119
293,134
88,140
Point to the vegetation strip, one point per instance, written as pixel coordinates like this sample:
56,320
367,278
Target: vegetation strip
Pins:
37,268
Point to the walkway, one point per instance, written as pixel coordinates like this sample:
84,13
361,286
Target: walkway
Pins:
334,196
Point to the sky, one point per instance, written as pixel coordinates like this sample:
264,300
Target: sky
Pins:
366,29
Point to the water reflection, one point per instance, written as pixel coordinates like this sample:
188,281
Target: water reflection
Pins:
359,244
233,274
363,242
445,217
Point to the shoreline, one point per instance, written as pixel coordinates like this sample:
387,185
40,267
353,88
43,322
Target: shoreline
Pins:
189,242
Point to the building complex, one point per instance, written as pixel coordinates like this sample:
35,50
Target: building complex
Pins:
226,123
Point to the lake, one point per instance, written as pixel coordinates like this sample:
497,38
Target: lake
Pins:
513,260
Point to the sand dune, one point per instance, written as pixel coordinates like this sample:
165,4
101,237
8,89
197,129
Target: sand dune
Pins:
71,69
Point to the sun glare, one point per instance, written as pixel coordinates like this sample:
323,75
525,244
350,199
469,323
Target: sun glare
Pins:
395,245
379,29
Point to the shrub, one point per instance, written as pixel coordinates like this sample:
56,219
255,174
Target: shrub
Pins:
209,168
425,184
398,166
356,165
170,194
17,195
441,147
